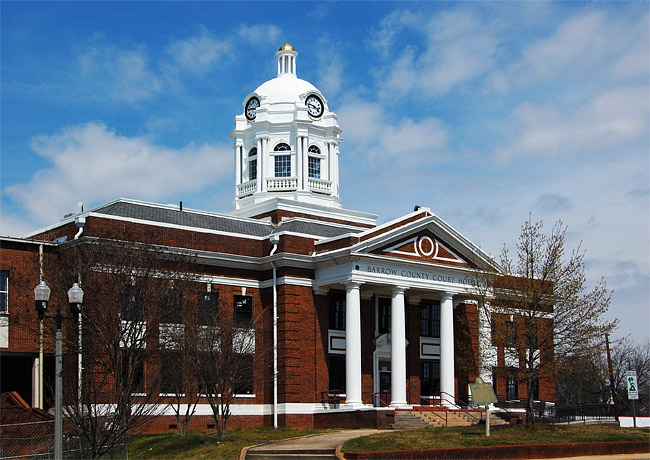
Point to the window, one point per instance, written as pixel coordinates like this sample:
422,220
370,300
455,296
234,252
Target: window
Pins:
243,309
282,147
383,315
208,308
283,166
252,164
171,311
129,303
337,374
337,311
512,388
4,291
313,166
511,334
430,378
430,319
133,370
244,377
535,389
171,381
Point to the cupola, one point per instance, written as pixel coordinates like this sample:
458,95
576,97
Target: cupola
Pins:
286,142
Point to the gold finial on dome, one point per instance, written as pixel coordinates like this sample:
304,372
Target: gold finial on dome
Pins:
286,46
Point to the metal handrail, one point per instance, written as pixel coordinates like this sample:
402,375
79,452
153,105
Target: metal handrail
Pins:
382,403
459,408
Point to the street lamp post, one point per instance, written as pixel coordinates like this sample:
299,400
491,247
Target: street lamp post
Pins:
75,298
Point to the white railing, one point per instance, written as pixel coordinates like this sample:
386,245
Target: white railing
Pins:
320,185
246,188
275,184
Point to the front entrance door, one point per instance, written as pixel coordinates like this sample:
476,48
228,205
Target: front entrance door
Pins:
383,380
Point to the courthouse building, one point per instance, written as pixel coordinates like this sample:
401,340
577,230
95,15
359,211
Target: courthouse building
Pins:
367,317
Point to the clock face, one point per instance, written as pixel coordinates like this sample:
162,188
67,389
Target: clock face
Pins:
314,106
251,105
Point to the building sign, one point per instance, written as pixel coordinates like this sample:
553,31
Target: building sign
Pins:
416,274
632,388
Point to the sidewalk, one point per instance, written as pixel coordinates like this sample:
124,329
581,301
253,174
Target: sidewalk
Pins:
317,443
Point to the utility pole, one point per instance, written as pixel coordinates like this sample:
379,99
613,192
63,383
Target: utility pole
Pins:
611,375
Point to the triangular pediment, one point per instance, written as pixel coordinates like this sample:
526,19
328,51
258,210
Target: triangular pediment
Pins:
423,246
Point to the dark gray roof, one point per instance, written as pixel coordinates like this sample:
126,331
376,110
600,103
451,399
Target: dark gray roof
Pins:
316,228
221,222
186,218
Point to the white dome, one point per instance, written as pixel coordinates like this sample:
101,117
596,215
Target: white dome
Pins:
284,88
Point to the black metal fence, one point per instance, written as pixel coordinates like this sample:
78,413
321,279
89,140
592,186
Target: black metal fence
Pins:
35,440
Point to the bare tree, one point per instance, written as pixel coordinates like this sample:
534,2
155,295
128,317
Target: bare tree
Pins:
539,308
628,355
125,285
225,354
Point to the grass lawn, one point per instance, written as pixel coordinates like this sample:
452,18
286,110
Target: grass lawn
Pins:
435,438
196,445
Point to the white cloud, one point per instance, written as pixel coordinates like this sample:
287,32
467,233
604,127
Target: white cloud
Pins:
124,74
591,43
610,120
93,164
198,54
457,48
330,67
373,135
261,34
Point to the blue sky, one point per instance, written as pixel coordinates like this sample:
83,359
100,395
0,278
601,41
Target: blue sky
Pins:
485,112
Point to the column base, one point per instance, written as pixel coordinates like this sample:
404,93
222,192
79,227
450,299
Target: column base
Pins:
352,405
400,405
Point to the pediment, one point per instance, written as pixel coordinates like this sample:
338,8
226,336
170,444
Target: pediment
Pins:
423,246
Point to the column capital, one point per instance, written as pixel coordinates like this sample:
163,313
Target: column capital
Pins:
399,289
353,284
446,296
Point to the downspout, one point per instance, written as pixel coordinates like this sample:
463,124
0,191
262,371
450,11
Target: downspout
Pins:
40,337
274,239
80,221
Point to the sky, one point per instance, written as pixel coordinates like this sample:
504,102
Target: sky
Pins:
488,113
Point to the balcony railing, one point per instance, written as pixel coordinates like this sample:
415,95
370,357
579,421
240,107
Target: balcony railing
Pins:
247,188
320,185
280,184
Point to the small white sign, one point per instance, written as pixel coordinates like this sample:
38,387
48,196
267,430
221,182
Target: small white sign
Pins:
632,388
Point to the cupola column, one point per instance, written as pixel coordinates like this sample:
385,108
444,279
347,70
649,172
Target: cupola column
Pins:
260,163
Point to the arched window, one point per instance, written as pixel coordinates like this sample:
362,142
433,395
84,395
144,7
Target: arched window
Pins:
313,165
282,147
282,162
252,164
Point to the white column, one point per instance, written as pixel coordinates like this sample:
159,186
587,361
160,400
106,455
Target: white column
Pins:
447,388
485,351
260,164
298,171
353,345
398,349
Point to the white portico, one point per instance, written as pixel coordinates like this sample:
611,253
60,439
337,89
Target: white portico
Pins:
417,258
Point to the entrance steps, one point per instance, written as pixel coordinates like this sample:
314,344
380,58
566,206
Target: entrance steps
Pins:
421,417
297,454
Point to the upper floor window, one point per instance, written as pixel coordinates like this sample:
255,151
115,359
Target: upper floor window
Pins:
283,166
430,319
511,335
337,311
252,164
4,291
243,309
314,167
282,147
383,315
130,310
171,311
208,308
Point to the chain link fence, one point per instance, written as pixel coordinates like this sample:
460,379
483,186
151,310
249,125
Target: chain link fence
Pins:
35,440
